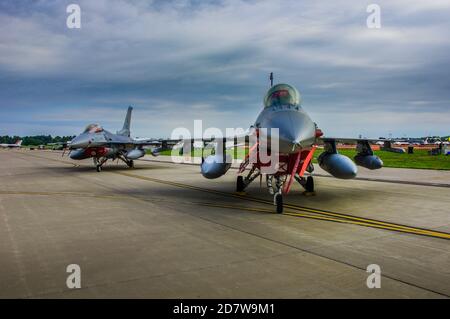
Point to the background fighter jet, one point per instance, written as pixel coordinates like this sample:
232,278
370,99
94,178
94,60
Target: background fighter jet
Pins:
101,145
15,145
298,138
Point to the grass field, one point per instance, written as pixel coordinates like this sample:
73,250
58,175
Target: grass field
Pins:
420,158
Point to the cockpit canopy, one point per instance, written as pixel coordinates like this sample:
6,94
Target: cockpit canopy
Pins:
282,94
93,128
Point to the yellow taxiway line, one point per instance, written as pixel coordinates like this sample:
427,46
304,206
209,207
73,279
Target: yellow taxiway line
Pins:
298,211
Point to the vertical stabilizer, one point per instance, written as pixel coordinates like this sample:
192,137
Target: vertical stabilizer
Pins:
19,143
125,131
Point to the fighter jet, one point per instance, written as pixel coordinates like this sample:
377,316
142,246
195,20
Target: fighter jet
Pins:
15,145
101,145
298,138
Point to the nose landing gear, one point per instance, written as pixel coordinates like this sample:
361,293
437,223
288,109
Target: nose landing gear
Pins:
276,189
278,201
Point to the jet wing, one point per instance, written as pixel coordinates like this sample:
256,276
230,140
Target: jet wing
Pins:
362,144
238,140
147,142
322,140
136,142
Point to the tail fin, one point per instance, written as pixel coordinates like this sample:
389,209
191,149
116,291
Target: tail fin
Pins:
19,142
125,131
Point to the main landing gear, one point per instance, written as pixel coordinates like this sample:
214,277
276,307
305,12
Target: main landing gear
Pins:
129,162
307,183
99,162
242,183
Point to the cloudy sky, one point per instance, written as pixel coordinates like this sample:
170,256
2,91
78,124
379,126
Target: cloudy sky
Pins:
176,61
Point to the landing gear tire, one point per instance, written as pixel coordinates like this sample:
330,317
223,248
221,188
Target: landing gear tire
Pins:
279,202
131,164
309,185
99,168
240,185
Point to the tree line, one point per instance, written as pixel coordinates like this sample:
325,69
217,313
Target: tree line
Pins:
35,140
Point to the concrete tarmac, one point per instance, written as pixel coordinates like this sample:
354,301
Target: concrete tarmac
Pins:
163,231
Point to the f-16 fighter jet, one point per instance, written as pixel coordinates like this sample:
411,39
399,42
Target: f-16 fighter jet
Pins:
298,138
101,145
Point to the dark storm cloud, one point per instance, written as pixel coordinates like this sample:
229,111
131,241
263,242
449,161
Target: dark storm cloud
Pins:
177,61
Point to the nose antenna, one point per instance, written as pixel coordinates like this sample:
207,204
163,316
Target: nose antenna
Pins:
271,79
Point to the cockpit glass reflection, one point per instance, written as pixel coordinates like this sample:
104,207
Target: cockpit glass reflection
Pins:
93,128
282,94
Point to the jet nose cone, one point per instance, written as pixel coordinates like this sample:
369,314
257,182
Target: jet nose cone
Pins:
295,129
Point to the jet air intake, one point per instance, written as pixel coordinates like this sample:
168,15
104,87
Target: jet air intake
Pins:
214,166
